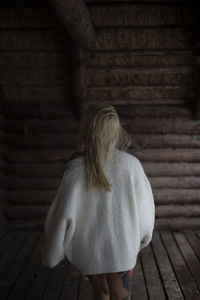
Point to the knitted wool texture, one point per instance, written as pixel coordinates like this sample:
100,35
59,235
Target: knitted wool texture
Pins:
96,231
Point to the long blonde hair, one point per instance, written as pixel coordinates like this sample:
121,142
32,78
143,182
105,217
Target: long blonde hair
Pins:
100,133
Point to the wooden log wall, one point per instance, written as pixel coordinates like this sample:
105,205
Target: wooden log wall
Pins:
143,64
2,171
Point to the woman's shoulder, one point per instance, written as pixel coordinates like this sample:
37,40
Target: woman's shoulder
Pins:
122,155
75,155
72,163
128,157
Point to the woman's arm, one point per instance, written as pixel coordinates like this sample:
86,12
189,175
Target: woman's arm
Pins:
146,205
51,247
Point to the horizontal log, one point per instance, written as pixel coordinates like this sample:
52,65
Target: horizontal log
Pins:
34,155
28,183
101,15
41,2
2,165
49,77
41,110
29,59
56,77
140,58
2,221
1,154
130,39
32,39
176,196
36,212
166,140
40,125
171,169
2,196
157,182
139,53
70,140
175,125
116,96
167,155
128,94
60,155
30,197
2,191
35,170
32,16
2,134
192,2
49,141
174,182
107,39
36,94
151,169
161,196
142,70
135,125
178,101
2,180
25,212
141,15
33,225
177,223
140,77
14,3
175,210
64,110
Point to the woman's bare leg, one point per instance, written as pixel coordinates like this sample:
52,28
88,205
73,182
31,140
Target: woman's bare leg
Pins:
120,285
112,286
100,287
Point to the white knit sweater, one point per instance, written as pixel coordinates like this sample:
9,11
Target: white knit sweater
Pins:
100,232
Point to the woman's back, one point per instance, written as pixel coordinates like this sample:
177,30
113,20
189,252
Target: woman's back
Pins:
105,223
103,228
103,213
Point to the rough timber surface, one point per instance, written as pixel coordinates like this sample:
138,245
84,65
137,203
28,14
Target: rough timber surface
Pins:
168,268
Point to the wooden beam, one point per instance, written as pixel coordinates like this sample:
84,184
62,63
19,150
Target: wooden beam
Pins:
75,17
2,167
196,100
79,79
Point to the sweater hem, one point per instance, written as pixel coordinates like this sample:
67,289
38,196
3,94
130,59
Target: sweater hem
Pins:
104,270
110,270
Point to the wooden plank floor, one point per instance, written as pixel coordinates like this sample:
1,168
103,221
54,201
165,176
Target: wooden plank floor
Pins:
169,268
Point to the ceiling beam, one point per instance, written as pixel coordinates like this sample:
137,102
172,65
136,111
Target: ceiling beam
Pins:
75,18
79,79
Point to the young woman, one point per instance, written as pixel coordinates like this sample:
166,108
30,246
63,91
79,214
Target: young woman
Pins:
103,213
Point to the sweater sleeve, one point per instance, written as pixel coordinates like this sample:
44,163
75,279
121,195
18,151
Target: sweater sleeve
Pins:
146,205
51,247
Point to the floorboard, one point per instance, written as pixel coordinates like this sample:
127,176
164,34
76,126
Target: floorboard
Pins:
186,281
169,268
